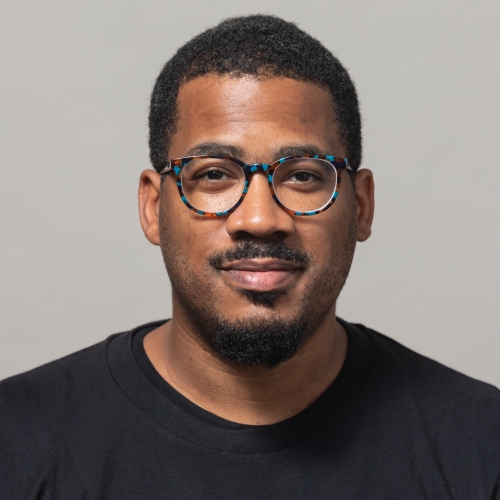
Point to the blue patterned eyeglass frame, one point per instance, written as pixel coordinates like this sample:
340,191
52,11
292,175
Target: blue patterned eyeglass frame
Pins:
177,164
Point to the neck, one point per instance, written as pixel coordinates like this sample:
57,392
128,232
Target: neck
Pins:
245,394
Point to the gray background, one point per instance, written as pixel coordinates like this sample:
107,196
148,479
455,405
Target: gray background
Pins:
75,78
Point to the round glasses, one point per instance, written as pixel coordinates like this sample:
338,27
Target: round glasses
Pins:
214,186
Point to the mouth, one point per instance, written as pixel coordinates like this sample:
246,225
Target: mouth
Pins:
263,275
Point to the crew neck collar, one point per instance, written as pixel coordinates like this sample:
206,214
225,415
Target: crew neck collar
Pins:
144,386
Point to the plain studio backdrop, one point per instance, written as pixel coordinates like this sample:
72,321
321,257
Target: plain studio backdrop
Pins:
75,80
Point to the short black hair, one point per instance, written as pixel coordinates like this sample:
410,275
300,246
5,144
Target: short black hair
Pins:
262,46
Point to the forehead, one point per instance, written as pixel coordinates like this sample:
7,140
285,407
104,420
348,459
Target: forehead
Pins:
255,115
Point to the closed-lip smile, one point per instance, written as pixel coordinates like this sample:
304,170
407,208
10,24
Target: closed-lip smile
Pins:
262,274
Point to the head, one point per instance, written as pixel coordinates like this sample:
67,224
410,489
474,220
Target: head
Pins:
255,285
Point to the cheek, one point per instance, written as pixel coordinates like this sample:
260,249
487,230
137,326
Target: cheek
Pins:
179,239
186,239
178,233
327,236
334,237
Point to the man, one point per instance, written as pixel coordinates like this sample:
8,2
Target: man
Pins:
254,389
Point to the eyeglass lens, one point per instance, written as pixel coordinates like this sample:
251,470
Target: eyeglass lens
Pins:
216,185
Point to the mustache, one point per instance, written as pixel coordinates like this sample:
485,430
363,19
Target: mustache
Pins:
250,249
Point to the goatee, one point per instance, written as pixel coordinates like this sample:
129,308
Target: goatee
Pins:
265,340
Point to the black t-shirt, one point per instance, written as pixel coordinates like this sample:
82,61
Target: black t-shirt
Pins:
103,424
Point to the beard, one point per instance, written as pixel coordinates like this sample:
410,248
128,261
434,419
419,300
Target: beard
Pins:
265,339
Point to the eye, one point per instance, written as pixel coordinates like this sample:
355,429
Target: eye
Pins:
213,175
302,176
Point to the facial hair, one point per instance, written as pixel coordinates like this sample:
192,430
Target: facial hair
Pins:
266,339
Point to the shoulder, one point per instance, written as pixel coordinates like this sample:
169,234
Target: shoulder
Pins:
35,408
460,415
59,383
428,379
35,403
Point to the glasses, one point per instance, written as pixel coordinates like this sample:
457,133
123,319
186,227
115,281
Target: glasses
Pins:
214,186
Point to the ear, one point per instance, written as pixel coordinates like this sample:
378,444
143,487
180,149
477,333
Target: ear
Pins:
149,205
365,197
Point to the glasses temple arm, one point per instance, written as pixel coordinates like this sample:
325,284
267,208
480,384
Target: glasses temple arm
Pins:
166,169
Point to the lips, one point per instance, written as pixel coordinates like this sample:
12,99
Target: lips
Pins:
261,274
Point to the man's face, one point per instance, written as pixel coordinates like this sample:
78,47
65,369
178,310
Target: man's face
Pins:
257,279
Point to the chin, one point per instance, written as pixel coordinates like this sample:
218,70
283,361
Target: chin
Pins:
267,299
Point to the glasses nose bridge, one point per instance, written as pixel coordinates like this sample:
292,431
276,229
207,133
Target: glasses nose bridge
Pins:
252,168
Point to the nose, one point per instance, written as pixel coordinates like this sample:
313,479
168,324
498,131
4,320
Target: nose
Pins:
259,215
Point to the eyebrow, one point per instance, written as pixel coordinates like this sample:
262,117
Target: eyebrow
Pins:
219,149
216,149
298,150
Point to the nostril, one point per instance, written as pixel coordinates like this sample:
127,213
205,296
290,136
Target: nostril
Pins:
259,216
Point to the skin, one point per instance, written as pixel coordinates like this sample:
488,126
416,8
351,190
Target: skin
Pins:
262,118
